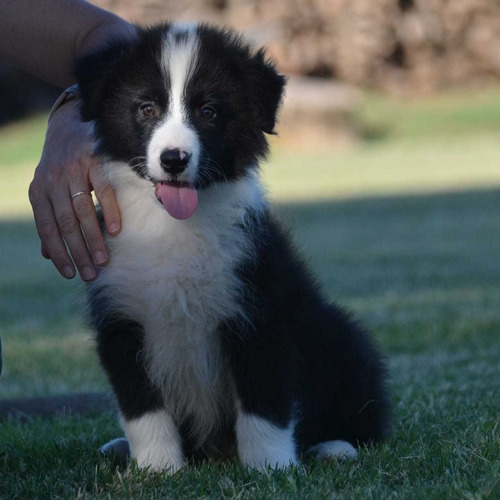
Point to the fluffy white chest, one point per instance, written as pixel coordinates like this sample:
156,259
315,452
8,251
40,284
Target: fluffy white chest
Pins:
173,276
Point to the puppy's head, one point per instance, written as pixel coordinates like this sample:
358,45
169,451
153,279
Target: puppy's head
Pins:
184,106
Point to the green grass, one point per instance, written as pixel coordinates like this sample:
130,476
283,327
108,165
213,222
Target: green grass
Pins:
20,149
403,229
454,115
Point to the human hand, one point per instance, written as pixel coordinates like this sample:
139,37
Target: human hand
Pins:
69,226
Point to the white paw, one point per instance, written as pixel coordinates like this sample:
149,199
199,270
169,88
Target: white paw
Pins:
261,444
155,442
341,450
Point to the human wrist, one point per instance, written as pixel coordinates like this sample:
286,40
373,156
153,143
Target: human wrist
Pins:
65,124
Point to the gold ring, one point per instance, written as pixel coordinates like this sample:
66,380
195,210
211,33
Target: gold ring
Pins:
73,196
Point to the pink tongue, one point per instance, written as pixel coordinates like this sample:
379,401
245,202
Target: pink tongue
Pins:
179,201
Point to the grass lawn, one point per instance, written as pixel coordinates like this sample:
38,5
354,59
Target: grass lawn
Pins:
402,228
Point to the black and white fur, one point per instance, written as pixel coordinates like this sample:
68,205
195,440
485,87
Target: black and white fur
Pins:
211,330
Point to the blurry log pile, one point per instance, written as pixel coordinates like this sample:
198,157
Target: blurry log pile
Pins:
404,46
409,45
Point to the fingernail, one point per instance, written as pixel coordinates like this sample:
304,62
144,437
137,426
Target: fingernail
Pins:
114,227
68,272
99,257
88,273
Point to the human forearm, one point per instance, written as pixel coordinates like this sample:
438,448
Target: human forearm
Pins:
44,37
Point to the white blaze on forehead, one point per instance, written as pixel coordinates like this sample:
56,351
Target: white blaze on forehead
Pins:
178,60
179,54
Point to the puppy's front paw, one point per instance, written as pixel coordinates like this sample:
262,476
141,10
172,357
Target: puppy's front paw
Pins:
155,442
262,444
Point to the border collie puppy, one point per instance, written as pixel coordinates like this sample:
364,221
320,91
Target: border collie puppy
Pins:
213,334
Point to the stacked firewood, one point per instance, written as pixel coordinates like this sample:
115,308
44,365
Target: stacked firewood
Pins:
416,45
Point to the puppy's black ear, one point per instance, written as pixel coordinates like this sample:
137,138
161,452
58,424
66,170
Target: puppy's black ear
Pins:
266,87
92,73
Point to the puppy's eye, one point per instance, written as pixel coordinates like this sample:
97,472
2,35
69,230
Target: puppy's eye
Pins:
208,113
148,110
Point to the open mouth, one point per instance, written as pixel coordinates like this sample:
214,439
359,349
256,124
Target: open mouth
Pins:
180,199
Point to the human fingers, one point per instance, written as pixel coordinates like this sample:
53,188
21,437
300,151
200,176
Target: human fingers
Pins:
59,223
84,208
105,194
70,230
53,246
86,215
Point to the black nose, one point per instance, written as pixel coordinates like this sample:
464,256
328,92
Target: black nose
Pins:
174,161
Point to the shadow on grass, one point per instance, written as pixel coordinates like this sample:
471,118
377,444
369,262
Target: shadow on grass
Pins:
420,271
406,235
402,243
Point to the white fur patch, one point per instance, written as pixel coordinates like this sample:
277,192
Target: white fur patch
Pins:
179,54
177,278
262,444
341,450
155,442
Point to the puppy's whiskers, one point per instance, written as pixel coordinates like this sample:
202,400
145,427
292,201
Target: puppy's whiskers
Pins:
139,164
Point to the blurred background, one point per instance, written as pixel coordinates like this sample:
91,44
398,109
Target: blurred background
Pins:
386,167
